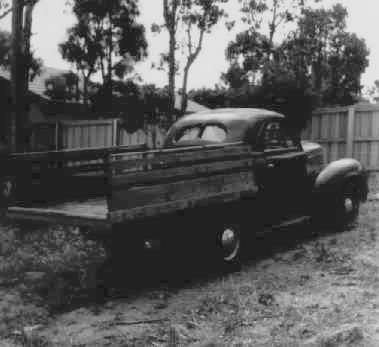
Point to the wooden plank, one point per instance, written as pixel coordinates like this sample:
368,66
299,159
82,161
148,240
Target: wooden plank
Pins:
56,217
327,141
75,123
331,110
179,173
70,210
169,207
76,154
187,189
178,157
229,145
350,132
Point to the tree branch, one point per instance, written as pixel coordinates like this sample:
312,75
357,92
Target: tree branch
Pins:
6,12
189,38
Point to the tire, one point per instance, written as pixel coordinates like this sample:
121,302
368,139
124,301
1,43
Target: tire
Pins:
229,243
346,206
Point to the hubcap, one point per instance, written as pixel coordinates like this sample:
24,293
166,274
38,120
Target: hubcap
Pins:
349,205
230,243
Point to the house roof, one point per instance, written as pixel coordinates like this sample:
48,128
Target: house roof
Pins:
37,86
192,106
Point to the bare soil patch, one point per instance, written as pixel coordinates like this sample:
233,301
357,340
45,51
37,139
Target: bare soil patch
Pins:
297,290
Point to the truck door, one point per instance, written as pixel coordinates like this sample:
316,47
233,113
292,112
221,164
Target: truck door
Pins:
283,177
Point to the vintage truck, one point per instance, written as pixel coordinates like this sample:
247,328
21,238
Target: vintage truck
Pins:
222,177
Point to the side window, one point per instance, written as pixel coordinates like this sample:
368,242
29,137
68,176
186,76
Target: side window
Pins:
274,136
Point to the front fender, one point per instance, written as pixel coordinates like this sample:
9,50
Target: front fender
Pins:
335,175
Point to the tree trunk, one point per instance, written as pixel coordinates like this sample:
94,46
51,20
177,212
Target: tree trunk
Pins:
109,87
85,90
15,138
184,103
27,31
171,74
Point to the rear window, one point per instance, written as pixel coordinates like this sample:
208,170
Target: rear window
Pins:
189,134
208,133
213,133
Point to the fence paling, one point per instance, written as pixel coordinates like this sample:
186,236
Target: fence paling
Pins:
93,134
347,132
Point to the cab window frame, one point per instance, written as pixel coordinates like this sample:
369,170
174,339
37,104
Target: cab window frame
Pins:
202,127
295,146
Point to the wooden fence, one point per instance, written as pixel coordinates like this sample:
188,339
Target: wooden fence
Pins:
343,131
91,134
347,132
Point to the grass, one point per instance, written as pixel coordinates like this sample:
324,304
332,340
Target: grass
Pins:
41,271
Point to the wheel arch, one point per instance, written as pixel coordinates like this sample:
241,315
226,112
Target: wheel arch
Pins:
338,174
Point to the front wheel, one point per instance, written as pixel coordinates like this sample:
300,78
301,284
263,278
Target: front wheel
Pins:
347,206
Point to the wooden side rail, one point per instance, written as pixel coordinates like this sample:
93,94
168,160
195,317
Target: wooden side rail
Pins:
165,181
60,175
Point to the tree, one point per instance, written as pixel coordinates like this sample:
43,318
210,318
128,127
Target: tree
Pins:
254,49
200,16
107,38
187,22
318,55
171,18
81,49
331,58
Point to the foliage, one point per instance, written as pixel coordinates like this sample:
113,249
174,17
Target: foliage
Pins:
33,64
373,91
63,87
107,38
330,57
318,63
254,50
136,105
52,262
280,94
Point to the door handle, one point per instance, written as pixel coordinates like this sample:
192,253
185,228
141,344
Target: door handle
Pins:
270,165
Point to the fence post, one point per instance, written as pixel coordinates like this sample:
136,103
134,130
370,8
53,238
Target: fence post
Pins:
350,132
115,133
57,142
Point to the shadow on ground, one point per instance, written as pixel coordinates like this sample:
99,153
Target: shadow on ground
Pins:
123,278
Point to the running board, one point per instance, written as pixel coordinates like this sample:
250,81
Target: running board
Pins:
286,224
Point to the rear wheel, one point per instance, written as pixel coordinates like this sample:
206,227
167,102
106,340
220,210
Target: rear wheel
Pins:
229,242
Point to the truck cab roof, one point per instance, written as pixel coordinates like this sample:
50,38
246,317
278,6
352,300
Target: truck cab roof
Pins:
236,122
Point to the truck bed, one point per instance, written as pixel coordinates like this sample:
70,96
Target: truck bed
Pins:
140,184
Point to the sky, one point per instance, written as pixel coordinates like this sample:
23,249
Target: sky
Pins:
51,19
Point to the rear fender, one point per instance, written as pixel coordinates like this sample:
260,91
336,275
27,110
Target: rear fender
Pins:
338,173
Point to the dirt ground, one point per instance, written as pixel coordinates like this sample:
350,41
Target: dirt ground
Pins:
297,290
